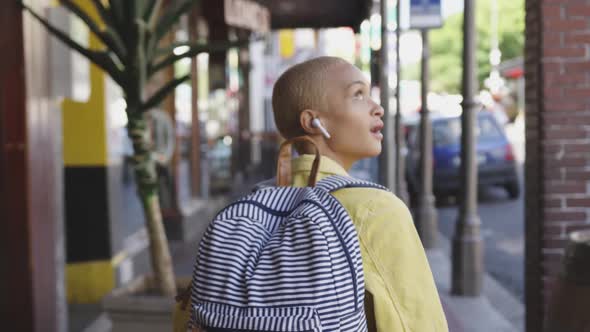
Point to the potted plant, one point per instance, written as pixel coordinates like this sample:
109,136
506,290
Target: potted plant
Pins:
132,32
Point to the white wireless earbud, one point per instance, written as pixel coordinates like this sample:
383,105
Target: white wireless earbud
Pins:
316,123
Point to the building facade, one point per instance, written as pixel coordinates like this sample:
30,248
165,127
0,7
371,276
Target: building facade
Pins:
31,214
557,73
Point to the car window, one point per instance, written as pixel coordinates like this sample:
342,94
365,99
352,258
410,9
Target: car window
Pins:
488,130
446,132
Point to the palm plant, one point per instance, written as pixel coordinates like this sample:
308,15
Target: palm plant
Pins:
132,32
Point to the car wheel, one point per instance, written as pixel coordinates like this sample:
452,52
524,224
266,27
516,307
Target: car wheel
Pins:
513,189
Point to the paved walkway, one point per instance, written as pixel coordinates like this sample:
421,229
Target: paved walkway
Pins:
465,314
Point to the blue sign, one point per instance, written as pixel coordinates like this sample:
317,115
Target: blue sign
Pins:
425,14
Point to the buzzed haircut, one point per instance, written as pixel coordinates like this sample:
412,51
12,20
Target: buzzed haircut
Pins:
299,88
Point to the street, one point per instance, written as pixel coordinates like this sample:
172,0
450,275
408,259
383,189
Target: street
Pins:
502,225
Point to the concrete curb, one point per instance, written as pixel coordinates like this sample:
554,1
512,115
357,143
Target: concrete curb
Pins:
101,324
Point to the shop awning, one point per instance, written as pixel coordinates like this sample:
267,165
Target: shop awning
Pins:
287,14
513,68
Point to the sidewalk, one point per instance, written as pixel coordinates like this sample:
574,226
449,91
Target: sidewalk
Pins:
495,311
465,314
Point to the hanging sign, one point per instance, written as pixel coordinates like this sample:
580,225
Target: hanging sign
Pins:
247,14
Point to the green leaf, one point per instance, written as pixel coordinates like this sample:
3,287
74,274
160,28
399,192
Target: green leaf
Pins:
148,8
132,9
90,23
169,18
117,42
159,96
115,27
193,50
108,37
124,11
118,12
101,59
151,19
141,57
152,16
105,14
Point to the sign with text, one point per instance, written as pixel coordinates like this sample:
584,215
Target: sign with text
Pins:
425,14
247,14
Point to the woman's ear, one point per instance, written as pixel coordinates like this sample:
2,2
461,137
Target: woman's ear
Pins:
305,120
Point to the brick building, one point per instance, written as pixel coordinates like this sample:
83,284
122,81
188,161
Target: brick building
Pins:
557,69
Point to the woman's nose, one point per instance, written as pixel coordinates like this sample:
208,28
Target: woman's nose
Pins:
377,109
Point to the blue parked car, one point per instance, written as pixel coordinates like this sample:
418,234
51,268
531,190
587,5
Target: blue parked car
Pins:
495,158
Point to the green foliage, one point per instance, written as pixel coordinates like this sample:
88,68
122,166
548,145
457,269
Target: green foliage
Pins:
132,32
447,44
411,72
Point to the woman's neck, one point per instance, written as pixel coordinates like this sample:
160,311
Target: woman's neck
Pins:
343,161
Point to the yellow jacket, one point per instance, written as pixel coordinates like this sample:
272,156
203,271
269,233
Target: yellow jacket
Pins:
397,275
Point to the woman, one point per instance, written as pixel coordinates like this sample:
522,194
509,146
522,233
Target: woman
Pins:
327,99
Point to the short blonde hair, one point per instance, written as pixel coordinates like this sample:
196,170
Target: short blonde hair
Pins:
299,88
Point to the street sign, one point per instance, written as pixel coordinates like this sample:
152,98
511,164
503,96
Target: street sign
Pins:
425,14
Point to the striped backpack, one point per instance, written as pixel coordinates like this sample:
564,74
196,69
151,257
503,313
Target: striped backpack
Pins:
282,259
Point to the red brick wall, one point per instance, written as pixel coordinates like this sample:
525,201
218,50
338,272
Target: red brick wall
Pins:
557,66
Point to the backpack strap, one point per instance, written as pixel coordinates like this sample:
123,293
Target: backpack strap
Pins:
284,175
335,182
183,296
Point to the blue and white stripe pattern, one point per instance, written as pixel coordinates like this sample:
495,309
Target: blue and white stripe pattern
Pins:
282,259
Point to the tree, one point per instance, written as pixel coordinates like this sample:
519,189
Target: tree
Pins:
132,32
446,44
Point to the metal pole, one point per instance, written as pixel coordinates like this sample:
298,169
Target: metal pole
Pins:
387,163
426,221
401,189
467,242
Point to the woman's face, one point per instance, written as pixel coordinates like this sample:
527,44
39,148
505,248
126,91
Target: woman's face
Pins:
353,119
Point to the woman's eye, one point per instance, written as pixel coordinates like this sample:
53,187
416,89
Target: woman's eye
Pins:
359,95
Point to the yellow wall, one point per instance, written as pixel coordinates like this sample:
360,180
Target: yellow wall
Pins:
84,122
